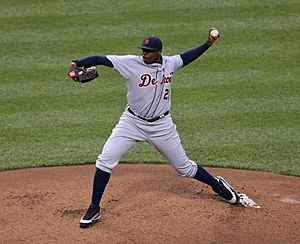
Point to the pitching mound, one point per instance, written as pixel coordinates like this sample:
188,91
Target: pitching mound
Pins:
146,204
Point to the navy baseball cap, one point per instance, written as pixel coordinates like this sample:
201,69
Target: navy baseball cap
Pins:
152,43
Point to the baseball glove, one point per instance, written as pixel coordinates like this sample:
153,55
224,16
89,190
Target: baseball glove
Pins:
82,74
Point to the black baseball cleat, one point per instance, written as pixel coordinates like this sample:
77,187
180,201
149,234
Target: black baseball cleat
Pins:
91,216
226,191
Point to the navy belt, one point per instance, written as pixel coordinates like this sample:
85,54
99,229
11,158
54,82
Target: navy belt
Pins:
149,120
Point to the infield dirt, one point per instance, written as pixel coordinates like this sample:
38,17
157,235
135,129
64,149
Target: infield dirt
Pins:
146,204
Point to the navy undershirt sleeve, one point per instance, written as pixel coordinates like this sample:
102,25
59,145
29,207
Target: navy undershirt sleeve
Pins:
93,61
194,53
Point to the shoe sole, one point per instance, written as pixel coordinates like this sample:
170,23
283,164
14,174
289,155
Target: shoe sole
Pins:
231,189
89,223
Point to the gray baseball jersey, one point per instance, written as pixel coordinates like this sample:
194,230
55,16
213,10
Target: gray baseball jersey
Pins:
149,85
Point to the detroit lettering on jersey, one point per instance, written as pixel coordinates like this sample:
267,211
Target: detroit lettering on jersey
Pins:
148,80
148,85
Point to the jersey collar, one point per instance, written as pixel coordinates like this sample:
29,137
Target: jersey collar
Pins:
155,65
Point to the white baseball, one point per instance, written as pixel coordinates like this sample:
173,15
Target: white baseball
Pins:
214,33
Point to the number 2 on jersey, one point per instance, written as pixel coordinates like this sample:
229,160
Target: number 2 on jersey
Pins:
166,95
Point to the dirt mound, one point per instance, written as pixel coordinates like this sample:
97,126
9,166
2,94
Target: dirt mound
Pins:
146,204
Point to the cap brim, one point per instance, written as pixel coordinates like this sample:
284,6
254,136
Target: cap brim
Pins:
149,48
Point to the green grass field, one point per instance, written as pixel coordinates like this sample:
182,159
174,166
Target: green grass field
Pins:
237,106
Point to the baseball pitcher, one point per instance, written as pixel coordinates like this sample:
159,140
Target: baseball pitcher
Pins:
147,117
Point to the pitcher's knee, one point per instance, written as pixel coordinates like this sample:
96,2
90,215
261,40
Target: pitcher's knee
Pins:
106,164
187,170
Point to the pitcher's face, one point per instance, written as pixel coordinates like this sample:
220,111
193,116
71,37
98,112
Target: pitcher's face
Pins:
150,57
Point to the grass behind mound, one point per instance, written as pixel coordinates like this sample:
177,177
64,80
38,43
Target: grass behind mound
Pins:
237,106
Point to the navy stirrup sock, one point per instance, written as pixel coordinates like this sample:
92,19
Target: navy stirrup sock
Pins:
101,179
205,177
